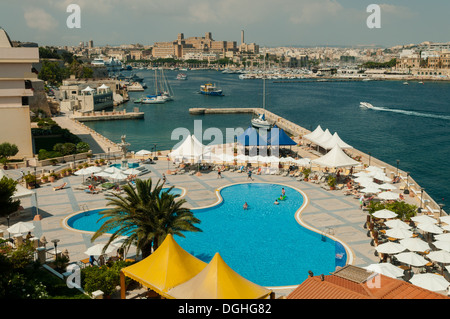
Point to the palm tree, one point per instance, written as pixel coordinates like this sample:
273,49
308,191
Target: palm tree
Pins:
145,216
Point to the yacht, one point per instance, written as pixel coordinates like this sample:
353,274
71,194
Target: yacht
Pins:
210,89
366,105
135,87
153,100
261,122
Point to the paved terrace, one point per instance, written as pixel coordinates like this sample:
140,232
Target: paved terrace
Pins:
325,209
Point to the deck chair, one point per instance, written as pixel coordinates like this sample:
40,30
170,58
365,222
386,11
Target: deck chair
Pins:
57,188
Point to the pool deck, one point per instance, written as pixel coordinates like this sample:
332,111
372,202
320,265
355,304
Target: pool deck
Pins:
324,209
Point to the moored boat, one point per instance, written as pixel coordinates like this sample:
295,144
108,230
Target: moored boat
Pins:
210,89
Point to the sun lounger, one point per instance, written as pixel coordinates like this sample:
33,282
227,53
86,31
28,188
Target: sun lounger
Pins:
57,188
90,191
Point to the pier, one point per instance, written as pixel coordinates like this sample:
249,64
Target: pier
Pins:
107,116
424,201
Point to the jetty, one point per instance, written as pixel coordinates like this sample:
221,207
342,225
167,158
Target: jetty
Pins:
107,116
424,201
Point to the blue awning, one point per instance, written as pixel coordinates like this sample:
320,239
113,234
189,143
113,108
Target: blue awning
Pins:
278,137
251,137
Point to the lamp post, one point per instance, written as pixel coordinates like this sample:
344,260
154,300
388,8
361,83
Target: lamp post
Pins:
398,161
108,153
55,242
440,211
421,196
370,155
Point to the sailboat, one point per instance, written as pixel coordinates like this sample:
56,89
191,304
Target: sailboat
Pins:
157,98
166,89
260,121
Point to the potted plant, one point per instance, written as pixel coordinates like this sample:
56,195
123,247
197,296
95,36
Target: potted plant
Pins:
306,173
102,161
52,177
62,173
30,180
68,171
96,162
44,178
332,182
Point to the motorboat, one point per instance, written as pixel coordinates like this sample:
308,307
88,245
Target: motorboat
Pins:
366,105
210,89
261,122
153,100
405,83
135,87
181,76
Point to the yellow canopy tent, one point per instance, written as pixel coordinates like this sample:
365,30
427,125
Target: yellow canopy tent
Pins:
168,266
218,281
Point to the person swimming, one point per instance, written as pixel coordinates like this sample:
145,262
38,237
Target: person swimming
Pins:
276,202
245,206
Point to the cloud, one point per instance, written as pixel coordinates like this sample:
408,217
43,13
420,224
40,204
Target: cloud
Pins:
39,19
314,12
398,11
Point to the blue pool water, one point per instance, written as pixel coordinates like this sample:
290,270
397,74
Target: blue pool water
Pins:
265,244
89,221
130,165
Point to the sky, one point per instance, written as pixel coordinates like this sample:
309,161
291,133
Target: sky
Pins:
268,23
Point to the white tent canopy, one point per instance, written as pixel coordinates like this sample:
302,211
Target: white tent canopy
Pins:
314,134
335,158
190,149
326,135
335,140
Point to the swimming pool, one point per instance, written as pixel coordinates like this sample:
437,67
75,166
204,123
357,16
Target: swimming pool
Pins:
130,165
264,243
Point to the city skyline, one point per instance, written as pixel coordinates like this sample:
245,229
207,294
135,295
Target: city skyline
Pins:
267,23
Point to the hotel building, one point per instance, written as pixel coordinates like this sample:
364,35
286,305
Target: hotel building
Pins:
15,89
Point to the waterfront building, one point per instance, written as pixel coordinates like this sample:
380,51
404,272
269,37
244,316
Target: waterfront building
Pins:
15,90
87,96
182,46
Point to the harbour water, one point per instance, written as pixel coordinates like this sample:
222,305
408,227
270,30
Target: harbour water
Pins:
410,123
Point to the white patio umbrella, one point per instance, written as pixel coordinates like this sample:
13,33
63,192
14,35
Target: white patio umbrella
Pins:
94,169
112,170
370,190
446,227
441,244
381,176
430,228
97,250
132,171
411,259
364,179
83,171
369,184
429,281
387,186
20,227
399,233
445,219
440,256
102,174
415,244
443,237
363,174
386,269
374,169
118,176
143,152
390,248
384,213
389,195
397,223
424,219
